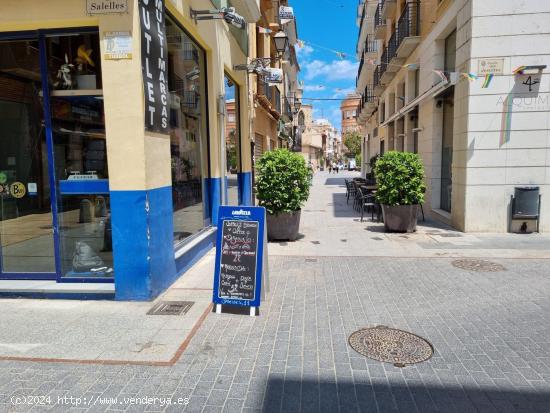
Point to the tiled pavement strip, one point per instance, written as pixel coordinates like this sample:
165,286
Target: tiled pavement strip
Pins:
490,331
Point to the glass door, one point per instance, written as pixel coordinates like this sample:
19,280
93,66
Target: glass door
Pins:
26,220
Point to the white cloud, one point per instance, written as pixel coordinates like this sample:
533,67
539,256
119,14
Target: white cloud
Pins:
314,88
335,70
304,51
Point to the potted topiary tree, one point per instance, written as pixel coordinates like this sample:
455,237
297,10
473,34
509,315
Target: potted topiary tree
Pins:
282,187
400,180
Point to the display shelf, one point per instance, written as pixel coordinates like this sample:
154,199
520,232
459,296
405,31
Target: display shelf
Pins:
76,92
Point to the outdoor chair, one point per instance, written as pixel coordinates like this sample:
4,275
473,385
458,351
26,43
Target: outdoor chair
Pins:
357,200
368,200
350,190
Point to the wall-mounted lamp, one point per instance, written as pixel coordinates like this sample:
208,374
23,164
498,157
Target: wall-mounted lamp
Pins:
227,13
281,42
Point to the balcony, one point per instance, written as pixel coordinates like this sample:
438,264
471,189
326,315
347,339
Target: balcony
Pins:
408,30
388,8
376,81
371,48
379,23
394,62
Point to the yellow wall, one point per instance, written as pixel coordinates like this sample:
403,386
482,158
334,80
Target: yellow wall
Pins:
140,160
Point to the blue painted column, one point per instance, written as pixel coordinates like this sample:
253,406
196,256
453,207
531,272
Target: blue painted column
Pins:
245,188
142,242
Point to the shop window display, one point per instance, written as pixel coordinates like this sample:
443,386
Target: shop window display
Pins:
78,129
186,77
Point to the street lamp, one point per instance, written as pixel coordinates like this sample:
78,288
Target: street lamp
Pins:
281,42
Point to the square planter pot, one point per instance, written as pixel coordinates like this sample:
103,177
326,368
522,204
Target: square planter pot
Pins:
400,218
283,226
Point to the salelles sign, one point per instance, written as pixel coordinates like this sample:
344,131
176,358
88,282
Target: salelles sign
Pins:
154,60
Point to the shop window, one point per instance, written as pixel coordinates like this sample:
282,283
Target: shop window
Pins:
80,151
27,244
187,80
232,141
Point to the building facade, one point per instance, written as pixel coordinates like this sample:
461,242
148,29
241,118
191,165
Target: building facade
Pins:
479,139
121,132
350,111
272,117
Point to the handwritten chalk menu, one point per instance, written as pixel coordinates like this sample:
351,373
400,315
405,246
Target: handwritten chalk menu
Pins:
238,260
241,256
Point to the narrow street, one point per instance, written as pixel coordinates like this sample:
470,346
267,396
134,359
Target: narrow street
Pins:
490,332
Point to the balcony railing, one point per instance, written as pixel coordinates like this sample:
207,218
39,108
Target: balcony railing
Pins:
376,76
371,45
378,19
368,95
409,22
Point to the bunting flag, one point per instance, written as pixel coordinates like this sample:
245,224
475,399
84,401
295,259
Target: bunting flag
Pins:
341,55
301,44
263,30
441,74
487,81
470,76
520,70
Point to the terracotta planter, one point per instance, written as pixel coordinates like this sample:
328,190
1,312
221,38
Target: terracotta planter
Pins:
283,226
400,218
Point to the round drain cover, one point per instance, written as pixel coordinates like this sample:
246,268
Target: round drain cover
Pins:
391,345
478,265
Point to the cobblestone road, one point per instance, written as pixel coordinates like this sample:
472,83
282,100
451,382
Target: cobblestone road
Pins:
490,331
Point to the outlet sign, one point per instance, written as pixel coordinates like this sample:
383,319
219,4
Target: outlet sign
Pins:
106,6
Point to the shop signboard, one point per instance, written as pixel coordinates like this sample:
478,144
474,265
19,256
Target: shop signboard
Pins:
154,64
106,6
241,257
286,14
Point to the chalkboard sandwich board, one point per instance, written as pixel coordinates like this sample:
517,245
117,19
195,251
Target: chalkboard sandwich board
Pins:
241,257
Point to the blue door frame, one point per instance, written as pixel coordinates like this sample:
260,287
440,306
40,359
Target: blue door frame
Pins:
41,35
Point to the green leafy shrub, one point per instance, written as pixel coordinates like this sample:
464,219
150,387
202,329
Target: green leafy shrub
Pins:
400,179
283,181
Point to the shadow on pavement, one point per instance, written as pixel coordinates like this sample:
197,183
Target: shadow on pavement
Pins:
297,395
339,207
335,181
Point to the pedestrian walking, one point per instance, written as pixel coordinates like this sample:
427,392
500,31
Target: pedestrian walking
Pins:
329,168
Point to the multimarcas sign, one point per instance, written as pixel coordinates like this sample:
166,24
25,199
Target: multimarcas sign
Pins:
106,6
154,56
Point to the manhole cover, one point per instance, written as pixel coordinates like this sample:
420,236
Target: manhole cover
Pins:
478,265
378,239
171,308
315,242
391,345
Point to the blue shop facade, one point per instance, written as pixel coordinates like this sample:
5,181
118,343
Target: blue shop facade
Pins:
89,195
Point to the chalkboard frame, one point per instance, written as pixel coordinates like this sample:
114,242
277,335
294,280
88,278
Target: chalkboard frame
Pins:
241,213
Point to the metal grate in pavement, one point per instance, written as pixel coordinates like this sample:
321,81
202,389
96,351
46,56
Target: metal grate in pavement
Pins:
478,265
171,308
391,345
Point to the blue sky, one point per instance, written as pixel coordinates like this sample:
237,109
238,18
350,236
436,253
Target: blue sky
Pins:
327,24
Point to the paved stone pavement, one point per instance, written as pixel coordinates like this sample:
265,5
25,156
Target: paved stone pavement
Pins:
490,332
